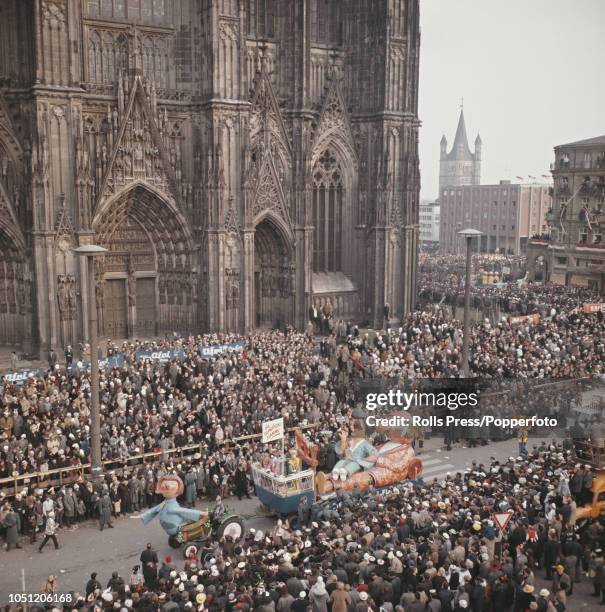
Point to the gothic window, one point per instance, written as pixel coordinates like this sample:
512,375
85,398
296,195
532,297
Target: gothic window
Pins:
262,15
134,10
108,59
155,61
107,56
146,10
95,65
112,9
327,214
148,69
121,51
325,22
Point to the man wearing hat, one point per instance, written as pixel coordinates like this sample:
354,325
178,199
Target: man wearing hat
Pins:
50,530
561,583
12,525
525,597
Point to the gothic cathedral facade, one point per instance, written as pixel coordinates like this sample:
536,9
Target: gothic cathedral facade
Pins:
240,160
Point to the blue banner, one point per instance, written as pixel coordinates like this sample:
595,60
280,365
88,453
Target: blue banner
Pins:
160,355
215,349
19,377
115,361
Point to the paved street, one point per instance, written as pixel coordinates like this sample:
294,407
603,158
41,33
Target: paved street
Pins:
86,549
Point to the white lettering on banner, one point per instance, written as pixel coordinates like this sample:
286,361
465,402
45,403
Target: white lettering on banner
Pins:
273,430
18,376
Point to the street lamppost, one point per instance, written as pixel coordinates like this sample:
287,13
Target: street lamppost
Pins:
468,234
90,251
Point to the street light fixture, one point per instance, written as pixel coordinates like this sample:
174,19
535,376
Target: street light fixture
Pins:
90,251
468,234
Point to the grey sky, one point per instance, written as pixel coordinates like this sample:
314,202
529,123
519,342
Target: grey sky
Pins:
532,74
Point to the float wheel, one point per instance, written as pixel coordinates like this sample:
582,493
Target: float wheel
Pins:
232,526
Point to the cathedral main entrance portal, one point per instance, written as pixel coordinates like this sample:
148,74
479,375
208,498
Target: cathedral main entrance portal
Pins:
145,282
273,277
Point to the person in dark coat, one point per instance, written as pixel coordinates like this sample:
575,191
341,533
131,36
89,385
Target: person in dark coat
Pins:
552,550
478,595
93,584
12,524
524,598
241,482
104,509
149,561
69,357
190,488
116,584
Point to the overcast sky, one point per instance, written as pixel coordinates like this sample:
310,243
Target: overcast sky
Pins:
531,72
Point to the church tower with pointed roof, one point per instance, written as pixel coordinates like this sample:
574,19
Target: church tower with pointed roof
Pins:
460,166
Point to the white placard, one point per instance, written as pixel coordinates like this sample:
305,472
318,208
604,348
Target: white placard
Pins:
273,430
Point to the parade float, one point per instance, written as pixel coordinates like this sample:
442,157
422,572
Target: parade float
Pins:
188,525
283,484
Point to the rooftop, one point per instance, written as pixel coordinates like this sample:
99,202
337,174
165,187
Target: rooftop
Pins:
597,140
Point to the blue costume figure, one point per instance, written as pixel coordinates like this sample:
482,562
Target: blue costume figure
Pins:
356,453
171,514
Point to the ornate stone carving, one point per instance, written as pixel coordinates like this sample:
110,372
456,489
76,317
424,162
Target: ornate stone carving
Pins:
54,13
228,30
143,149
64,228
231,221
334,123
66,296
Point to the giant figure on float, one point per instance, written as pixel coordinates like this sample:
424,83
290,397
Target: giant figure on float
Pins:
185,525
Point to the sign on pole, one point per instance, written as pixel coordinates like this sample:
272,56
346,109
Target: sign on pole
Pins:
502,518
273,430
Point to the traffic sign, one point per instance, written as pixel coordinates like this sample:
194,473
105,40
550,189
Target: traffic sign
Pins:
502,518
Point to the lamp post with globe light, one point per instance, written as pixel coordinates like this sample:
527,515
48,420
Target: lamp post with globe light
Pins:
90,251
468,234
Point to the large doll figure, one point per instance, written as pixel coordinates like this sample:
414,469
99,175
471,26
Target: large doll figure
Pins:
174,519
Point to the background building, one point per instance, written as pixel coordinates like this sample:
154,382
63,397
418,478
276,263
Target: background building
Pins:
507,214
460,166
429,223
574,252
238,159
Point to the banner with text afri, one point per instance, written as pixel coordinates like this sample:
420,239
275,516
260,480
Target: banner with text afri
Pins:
216,349
160,355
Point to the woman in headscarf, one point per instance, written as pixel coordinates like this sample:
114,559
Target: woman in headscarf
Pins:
318,596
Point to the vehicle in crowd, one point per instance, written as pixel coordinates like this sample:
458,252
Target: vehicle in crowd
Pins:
283,484
194,534
188,525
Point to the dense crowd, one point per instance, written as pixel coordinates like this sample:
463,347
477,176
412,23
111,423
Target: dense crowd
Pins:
509,299
441,280
214,406
430,547
149,407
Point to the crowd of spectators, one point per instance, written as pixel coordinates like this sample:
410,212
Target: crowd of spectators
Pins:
430,547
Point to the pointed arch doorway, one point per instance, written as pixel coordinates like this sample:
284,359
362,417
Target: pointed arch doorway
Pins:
273,276
145,284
